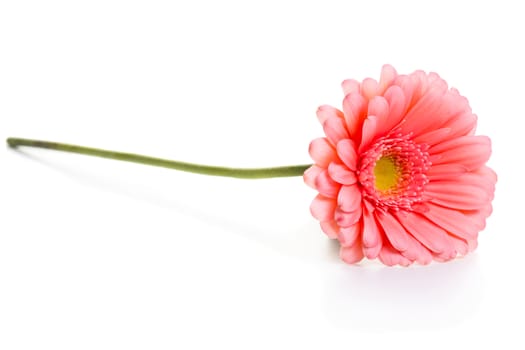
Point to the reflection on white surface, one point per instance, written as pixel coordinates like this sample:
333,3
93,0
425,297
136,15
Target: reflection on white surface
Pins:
419,297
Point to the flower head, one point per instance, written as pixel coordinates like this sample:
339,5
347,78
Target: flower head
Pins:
400,174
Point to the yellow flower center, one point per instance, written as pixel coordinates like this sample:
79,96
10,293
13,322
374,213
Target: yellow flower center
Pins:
393,172
386,173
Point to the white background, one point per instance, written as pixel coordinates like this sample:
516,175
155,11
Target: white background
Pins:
98,254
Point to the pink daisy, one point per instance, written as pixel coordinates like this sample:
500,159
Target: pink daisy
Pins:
400,174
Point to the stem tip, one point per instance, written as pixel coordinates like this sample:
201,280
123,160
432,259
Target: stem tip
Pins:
11,142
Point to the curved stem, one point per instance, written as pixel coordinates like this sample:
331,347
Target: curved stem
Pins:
243,173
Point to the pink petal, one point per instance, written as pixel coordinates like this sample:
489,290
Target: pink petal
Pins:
371,232
451,106
484,181
463,124
388,75
372,252
354,108
326,186
369,88
397,106
310,174
452,112
350,86
462,141
352,254
445,256
431,236
347,153
369,132
349,198
472,245
461,121
330,228
452,220
460,245
395,233
488,173
432,137
323,208
347,219
378,106
433,77
472,156
428,81
335,130
322,152
479,216
348,235
446,171
391,257
417,252
457,195
342,174
371,235
326,112
408,246
423,116
471,152
408,89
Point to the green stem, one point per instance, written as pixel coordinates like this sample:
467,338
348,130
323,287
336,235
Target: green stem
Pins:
242,173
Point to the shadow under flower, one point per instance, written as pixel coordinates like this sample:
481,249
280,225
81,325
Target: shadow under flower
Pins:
304,241
383,298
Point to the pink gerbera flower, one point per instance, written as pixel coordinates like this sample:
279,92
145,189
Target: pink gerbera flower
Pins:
400,174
